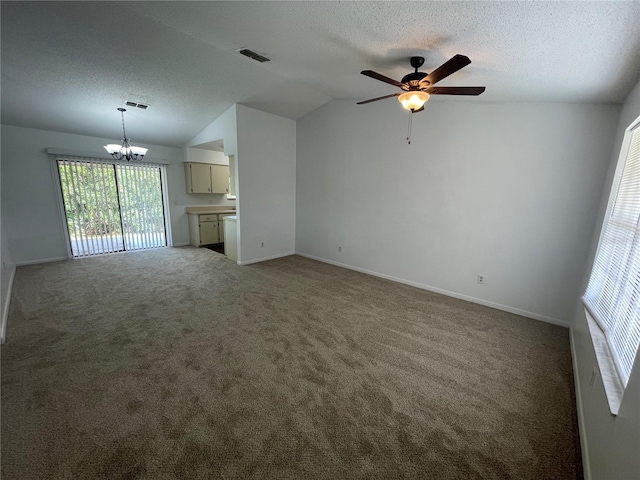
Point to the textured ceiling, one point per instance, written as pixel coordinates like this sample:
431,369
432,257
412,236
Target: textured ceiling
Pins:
66,66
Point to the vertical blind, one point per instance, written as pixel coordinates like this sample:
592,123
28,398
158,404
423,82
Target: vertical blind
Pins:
112,207
613,293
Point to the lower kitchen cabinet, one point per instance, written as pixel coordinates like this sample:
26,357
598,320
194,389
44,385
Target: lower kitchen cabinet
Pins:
204,230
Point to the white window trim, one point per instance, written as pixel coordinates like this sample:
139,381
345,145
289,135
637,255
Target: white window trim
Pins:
613,387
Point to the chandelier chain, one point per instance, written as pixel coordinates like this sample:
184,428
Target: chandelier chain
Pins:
124,132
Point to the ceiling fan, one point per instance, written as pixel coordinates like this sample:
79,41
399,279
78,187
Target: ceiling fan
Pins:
419,86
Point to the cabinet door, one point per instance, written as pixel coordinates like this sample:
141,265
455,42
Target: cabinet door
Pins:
200,178
220,178
208,233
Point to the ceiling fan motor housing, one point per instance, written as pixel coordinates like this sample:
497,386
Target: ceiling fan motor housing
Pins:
413,81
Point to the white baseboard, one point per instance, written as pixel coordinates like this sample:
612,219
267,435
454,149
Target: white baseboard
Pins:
264,259
183,244
5,307
584,447
42,260
480,301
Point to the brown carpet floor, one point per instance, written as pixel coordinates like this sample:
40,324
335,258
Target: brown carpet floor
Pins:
179,364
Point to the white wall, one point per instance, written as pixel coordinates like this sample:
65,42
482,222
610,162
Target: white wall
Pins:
6,270
222,128
200,155
30,209
508,191
266,166
611,445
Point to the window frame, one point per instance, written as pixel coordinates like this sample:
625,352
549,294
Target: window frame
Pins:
614,380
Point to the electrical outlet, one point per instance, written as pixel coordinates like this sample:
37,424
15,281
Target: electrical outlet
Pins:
481,279
340,248
261,244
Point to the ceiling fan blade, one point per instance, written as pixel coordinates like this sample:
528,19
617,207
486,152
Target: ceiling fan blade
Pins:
379,98
382,78
447,68
455,90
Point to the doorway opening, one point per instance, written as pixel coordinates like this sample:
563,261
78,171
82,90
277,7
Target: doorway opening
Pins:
112,207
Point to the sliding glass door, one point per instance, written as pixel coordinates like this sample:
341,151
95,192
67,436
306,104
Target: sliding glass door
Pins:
112,207
141,206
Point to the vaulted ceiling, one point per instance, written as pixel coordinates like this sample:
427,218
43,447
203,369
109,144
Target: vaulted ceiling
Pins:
67,66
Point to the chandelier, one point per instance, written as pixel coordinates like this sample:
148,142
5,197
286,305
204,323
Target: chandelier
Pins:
125,150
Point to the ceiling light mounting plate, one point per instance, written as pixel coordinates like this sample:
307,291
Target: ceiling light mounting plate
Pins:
417,62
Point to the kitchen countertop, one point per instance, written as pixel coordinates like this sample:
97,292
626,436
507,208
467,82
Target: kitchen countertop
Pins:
210,210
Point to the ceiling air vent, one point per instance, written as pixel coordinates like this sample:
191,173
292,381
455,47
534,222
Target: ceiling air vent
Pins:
138,105
253,55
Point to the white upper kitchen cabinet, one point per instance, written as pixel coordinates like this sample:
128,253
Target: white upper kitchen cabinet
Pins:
197,177
219,178
206,178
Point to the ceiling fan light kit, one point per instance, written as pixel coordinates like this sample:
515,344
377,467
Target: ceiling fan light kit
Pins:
413,100
125,150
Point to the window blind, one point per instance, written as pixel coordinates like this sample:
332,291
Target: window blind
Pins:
141,206
112,207
613,292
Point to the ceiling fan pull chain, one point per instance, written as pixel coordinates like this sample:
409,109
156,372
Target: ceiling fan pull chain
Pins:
409,127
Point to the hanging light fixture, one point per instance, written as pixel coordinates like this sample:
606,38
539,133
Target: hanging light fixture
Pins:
414,99
125,150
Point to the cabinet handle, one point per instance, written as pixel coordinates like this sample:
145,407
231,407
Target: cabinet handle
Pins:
208,189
